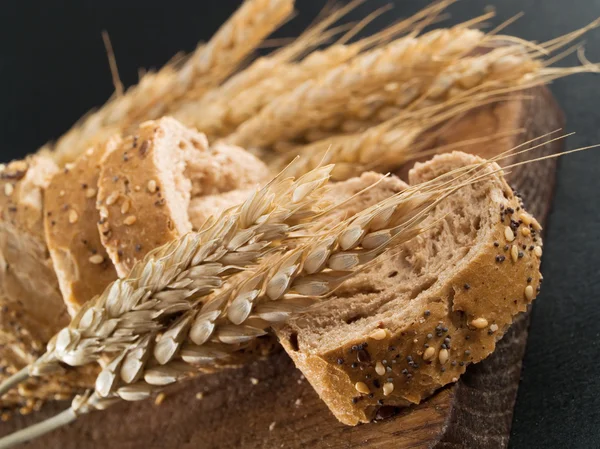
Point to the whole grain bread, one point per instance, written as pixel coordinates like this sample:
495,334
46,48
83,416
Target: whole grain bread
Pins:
395,334
81,263
26,274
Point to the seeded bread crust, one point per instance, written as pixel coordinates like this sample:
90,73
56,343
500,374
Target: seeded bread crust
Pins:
81,263
446,319
135,213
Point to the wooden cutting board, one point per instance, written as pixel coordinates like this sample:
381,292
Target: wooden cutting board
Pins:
268,404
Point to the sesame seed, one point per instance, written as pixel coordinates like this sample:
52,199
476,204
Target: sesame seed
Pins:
112,198
103,212
378,334
379,368
496,244
388,388
514,253
467,286
429,353
362,387
500,258
151,186
125,206
340,361
429,336
509,234
443,356
73,216
538,251
529,292
525,218
526,231
96,259
8,189
90,193
479,323
130,220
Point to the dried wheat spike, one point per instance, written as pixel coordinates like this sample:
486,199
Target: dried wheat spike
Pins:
209,65
223,109
282,284
171,278
368,73
382,147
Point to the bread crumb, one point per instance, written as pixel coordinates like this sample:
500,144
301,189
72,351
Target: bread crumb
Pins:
8,189
254,381
5,416
298,402
200,396
272,426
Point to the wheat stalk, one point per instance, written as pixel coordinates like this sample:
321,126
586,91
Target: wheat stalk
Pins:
209,65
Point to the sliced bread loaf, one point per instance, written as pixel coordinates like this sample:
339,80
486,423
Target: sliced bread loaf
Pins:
81,263
393,335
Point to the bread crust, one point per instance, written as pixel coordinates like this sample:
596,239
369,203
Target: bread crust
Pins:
460,316
71,219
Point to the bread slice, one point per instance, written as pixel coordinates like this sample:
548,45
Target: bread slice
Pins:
395,334
147,181
26,274
81,263
143,193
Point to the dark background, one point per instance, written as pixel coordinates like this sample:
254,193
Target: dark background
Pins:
53,69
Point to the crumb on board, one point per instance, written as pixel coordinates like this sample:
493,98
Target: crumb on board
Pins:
271,426
298,402
254,380
199,396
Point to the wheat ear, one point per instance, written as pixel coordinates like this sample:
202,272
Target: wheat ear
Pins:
209,65
223,109
327,96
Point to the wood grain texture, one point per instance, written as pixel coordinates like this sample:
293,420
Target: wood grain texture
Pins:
268,404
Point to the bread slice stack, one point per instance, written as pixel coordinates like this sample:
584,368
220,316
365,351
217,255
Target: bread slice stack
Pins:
66,234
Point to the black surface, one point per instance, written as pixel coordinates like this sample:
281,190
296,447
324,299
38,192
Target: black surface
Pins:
53,69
